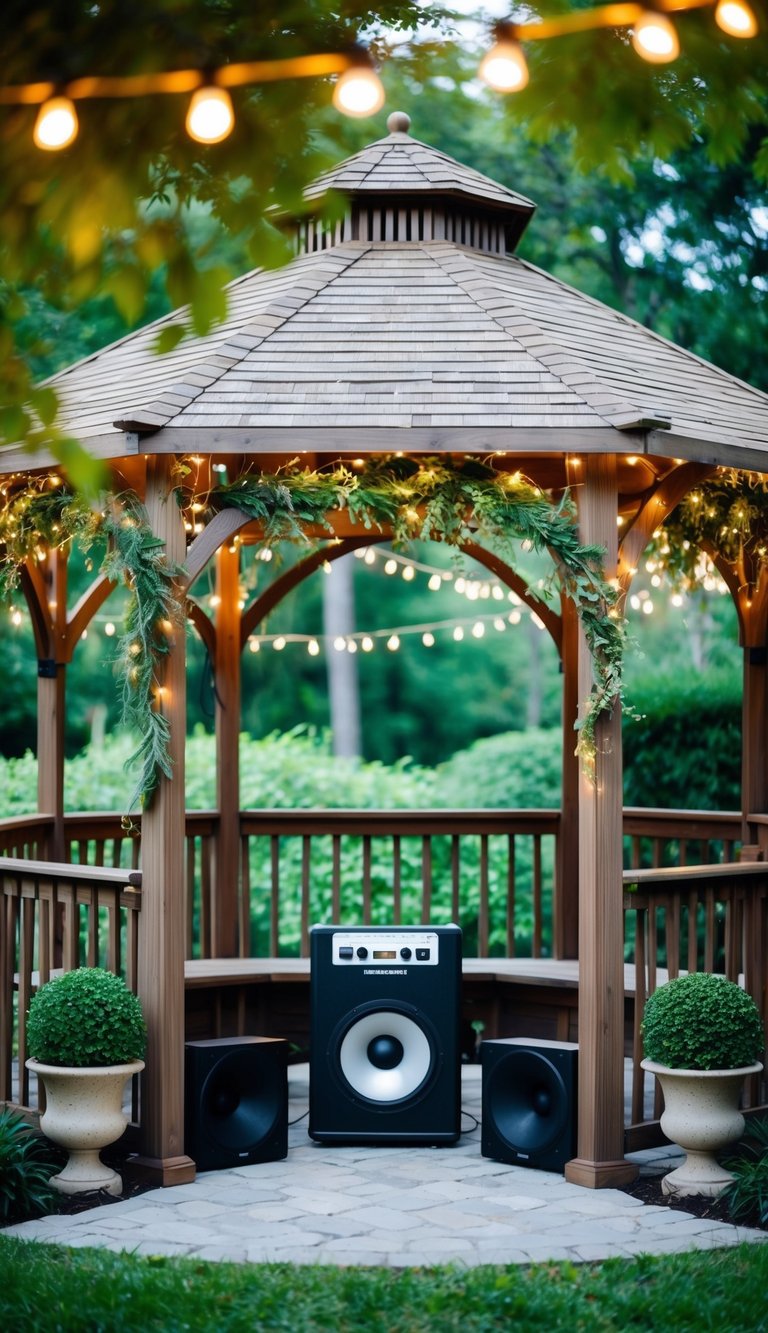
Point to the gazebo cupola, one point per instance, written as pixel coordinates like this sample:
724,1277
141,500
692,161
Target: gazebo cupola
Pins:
398,189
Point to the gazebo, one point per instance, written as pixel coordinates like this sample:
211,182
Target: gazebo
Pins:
405,327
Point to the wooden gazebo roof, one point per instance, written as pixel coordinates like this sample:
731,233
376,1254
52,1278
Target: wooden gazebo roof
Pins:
408,316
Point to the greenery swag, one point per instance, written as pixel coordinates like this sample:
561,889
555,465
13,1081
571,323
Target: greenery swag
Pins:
431,498
727,516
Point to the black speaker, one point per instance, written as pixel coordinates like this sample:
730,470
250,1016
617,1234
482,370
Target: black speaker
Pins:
384,1058
236,1105
529,1102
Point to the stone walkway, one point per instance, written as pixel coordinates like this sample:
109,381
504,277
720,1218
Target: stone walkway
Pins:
399,1207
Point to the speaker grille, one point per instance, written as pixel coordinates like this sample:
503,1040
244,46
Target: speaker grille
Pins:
386,1056
236,1108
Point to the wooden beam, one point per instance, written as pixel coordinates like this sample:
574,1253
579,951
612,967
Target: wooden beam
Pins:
162,917
600,1160
565,925
224,907
51,698
361,440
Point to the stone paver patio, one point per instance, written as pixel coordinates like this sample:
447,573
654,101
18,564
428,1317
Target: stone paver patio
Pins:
396,1206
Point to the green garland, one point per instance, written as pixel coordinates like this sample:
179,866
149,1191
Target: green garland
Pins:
438,499
434,498
41,516
727,513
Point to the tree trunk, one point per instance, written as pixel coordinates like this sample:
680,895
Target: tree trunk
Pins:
343,688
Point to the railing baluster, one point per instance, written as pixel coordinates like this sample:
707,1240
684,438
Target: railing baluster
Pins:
455,879
26,965
8,906
336,877
397,885
672,924
426,878
709,929
511,895
482,916
189,884
537,895
306,855
274,901
366,879
638,1074
245,943
693,932
206,899
92,908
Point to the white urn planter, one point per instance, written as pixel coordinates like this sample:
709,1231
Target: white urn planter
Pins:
84,1113
701,1115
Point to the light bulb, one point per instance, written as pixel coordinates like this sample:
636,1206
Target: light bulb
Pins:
504,67
654,38
313,648
736,18
210,117
56,125
358,92
428,639
393,643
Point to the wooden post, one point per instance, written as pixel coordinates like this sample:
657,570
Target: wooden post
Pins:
600,1161
162,915
754,716
51,701
226,668
566,906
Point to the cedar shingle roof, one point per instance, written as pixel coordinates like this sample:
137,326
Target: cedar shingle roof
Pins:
405,166
428,344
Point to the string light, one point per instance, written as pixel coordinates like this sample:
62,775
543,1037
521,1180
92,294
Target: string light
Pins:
211,117
654,38
736,18
359,90
504,67
56,125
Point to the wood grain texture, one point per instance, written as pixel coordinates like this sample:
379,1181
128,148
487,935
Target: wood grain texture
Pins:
599,1161
224,915
161,920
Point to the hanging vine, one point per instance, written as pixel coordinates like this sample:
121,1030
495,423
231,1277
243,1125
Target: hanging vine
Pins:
431,498
727,514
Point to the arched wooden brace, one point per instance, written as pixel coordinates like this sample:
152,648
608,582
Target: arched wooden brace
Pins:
665,497
46,598
749,592
223,527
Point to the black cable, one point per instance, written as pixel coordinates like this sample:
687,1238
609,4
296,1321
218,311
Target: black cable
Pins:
475,1121
299,1118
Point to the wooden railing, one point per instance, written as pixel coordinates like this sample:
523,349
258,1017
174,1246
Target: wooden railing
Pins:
705,918
492,871
57,917
654,838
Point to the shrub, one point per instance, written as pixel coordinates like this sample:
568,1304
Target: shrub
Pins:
747,1196
686,750
84,1018
702,1021
25,1172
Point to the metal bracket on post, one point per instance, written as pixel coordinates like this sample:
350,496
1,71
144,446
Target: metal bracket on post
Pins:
47,667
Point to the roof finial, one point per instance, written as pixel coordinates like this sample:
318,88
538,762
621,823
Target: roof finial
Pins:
399,122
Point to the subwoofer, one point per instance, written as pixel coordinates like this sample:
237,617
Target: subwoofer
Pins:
236,1105
384,1058
529,1102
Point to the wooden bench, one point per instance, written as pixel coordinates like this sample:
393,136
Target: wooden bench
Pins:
522,997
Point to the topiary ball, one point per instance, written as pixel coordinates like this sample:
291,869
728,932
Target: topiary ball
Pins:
702,1021
84,1018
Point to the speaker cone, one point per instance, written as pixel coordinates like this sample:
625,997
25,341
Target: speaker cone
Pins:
385,1056
530,1103
237,1108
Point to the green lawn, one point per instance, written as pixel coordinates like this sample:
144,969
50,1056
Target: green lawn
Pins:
52,1288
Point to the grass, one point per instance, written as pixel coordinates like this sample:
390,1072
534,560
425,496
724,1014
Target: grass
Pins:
46,1286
